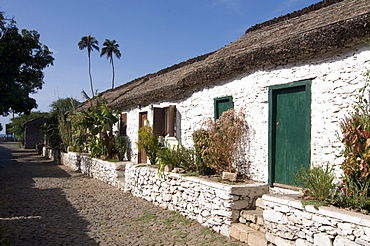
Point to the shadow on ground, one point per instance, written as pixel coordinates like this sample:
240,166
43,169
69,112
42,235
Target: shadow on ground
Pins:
34,216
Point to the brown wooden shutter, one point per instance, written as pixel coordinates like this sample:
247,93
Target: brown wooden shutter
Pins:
159,122
123,125
171,120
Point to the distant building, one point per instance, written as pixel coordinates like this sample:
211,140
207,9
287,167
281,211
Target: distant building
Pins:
32,133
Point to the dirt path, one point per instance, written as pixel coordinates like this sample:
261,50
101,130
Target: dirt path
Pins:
46,204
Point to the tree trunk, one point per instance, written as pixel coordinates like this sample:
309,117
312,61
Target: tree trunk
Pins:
112,72
91,83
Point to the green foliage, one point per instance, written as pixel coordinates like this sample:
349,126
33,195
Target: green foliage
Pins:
355,132
121,146
22,59
318,181
201,143
63,105
97,147
148,142
92,129
218,144
178,156
56,130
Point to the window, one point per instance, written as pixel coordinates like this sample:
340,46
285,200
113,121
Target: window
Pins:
123,125
221,105
164,120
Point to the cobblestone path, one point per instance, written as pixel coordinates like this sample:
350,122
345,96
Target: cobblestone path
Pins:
46,204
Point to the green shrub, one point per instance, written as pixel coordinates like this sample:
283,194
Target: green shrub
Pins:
121,144
318,181
178,156
148,142
201,143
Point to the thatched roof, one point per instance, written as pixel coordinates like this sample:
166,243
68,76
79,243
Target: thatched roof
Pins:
328,26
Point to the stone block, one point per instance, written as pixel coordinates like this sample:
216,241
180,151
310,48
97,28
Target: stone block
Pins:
322,239
259,203
321,219
367,231
302,242
240,204
229,176
342,241
273,216
256,238
278,240
363,242
223,194
345,229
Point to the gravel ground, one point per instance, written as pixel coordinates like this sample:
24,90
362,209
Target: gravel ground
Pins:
46,204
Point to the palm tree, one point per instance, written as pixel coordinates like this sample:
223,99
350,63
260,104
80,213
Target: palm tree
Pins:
109,48
90,43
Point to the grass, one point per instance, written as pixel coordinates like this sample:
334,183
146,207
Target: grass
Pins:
167,228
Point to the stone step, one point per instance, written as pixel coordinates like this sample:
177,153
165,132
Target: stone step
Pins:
247,235
120,174
252,216
121,183
259,203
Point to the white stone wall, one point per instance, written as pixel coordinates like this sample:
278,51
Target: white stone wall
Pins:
288,223
71,159
212,204
334,79
105,171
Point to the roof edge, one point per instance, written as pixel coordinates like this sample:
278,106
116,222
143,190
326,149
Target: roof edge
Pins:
294,14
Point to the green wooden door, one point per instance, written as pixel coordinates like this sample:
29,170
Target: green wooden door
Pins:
290,128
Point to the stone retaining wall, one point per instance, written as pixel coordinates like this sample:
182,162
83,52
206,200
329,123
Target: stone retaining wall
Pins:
212,204
215,205
52,154
287,222
108,172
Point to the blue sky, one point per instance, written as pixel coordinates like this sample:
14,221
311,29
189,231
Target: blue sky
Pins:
152,34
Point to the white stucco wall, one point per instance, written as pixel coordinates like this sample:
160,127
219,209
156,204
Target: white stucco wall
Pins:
334,79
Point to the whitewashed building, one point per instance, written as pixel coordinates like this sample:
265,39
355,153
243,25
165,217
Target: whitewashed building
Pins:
294,76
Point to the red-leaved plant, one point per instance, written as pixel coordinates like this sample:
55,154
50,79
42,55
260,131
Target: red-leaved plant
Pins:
218,142
355,130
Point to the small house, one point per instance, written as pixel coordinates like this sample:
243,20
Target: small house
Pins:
294,76
32,132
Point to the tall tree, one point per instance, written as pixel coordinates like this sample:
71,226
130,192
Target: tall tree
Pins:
90,43
22,59
110,48
63,105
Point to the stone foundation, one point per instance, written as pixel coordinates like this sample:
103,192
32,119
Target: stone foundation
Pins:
217,205
288,222
109,172
212,204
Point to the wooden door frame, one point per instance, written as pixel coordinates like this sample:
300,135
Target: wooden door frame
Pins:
272,118
141,123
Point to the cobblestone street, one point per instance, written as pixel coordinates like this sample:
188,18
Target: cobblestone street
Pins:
46,204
